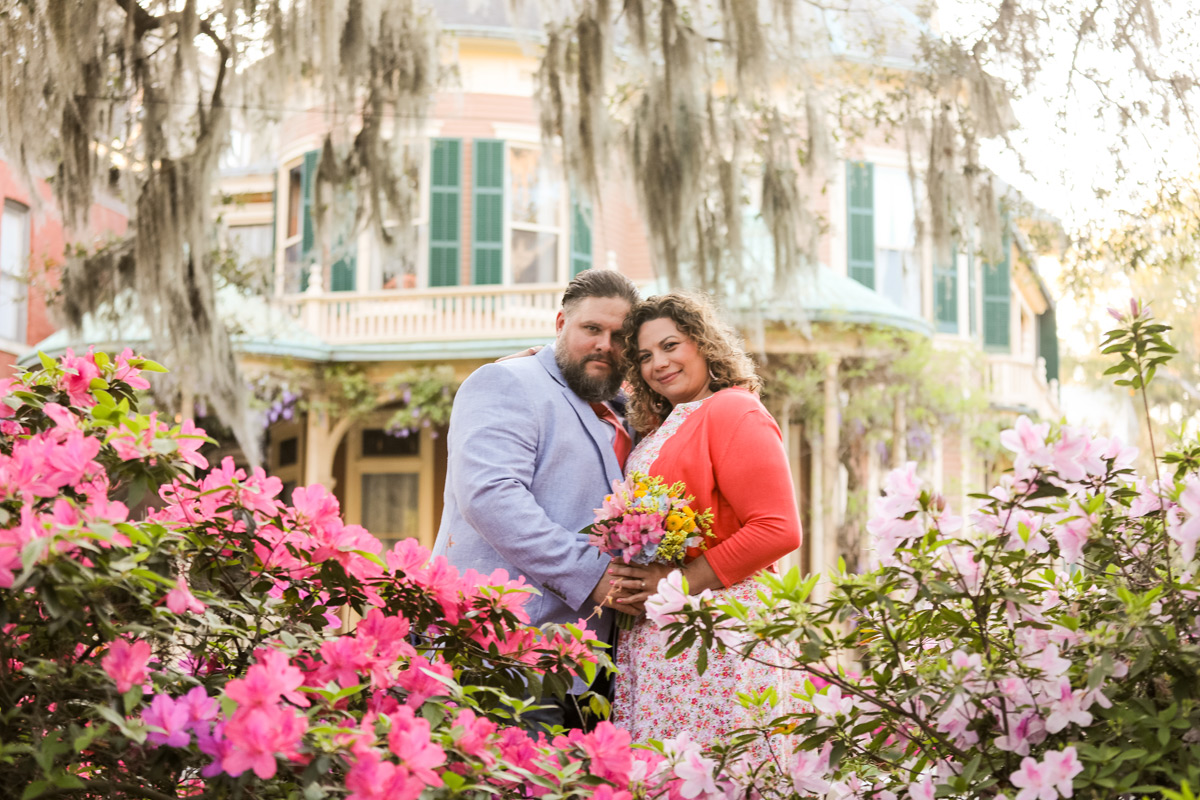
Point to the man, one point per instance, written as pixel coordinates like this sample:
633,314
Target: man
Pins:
530,457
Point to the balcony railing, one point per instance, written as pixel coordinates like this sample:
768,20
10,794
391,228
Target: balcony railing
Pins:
425,315
1018,383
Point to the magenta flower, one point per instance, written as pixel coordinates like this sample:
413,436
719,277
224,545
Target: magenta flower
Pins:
257,735
125,663
272,678
409,739
181,599
77,380
172,717
200,707
608,748
129,373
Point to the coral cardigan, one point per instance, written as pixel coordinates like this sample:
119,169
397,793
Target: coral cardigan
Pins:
729,453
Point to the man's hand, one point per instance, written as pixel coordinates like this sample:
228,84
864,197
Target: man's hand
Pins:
528,351
607,592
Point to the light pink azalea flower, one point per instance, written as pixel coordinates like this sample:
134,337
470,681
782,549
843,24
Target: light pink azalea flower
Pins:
810,769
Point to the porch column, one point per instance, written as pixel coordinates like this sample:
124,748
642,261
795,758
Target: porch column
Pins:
321,438
824,549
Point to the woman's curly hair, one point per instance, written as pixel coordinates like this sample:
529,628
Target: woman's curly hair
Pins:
719,344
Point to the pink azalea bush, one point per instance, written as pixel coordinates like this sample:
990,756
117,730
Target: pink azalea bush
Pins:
1044,645
232,642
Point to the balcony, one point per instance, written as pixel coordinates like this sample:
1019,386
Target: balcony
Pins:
1021,385
455,313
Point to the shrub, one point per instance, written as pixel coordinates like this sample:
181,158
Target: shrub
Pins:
201,648
1047,645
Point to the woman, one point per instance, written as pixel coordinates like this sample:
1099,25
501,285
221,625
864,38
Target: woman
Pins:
693,399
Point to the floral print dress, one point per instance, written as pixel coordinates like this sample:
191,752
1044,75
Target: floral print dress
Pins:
660,698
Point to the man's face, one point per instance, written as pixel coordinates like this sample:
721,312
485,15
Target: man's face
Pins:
588,350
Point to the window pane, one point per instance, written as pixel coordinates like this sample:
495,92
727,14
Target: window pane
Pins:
537,192
391,504
252,242
14,268
534,257
293,271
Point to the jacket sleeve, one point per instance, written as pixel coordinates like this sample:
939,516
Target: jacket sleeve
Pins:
493,452
759,490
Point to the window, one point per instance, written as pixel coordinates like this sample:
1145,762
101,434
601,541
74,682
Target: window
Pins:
14,268
298,241
535,215
391,504
860,222
997,300
898,272
945,292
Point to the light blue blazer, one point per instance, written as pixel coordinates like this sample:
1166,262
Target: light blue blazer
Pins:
529,461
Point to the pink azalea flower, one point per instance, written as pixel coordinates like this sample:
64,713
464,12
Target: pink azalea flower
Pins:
1187,533
181,599
1028,441
272,678
669,599
173,717
809,770
189,440
77,379
1023,731
373,778
1068,706
129,373
924,789
832,704
695,773
257,735
471,735
419,684
608,750
902,488
409,738
407,556
200,707
125,663
1063,766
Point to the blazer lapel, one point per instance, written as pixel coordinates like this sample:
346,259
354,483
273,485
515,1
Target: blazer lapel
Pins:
596,427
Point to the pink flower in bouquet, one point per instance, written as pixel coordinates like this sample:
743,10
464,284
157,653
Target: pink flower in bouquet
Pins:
126,663
616,504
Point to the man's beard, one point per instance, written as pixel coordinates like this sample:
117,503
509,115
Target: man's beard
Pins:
590,388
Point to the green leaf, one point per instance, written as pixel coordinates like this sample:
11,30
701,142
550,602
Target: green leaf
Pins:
37,788
146,365
48,363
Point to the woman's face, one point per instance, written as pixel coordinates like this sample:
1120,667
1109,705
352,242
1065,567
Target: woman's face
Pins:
671,363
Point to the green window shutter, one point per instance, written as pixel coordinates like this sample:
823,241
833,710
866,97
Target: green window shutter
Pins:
445,210
341,278
997,298
945,294
1048,342
581,236
860,221
487,203
308,178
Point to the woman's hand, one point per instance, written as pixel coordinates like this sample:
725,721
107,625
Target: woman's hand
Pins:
637,582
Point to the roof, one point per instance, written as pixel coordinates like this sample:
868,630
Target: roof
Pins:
822,295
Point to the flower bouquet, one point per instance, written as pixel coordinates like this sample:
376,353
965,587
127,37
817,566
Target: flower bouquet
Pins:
645,521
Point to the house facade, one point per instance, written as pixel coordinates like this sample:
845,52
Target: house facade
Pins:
499,233
32,244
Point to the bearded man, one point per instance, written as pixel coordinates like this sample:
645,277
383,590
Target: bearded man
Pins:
534,446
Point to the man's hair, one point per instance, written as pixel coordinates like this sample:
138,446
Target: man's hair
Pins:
599,283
